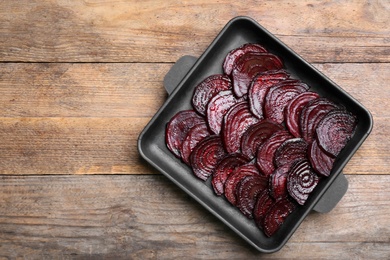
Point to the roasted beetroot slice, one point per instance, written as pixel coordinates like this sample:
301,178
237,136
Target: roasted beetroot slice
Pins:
217,108
276,216
224,168
321,162
335,130
293,110
206,156
259,87
263,203
194,136
233,180
301,181
248,66
278,182
290,151
279,96
256,134
206,89
266,151
236,121
248,191
178,127
233,55
312,114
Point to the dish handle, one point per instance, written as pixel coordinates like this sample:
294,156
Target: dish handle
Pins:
331,196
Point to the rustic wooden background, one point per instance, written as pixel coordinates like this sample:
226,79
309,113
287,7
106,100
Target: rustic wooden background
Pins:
79,80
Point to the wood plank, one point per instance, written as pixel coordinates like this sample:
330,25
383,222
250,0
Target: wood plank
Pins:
141,217
162,31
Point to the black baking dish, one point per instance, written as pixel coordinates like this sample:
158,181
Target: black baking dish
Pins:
180,83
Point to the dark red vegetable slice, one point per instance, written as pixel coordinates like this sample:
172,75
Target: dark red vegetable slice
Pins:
206,89
233,55
259,88
248,66
290,151
178,127
321,162
276,216
293,110
263,203
279,96
194,136
312,114
217,108
206,156
266,151
256,134
301,181
335,130
235,178
278,182
236,122
248,190
224,168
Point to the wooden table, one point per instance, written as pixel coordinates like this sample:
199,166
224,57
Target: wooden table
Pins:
79,80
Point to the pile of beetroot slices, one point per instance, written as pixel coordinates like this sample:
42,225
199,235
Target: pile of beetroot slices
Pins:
263,138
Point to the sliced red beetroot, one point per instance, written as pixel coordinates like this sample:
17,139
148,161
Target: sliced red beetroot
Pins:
178,127
217,108
301,181
312,114
248,66
206,156
293,110
263,203
276,215
235,178
236,121
266,151
248,190
206,89
335,130
278,182
233,55
259,88
290,151
224,168
279,96
194,136
321,162
256,134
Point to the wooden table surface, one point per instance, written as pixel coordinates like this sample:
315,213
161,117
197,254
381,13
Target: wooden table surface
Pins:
79,80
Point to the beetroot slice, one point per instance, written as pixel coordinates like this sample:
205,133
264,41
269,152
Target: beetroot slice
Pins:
312,114
236,121
266,151
278,182
248,66
293,110
178,127
256,134
233,55
276,215
279,96
263,203
217,108
301,181
224,168
206,89
335,130
290,151
232,182
206,155
321,162
259,87
194,136
248,190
